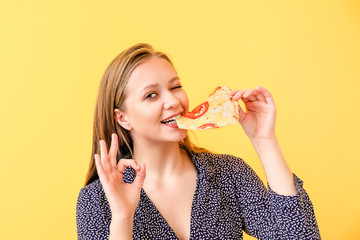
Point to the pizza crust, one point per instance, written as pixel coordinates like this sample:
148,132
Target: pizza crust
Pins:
218,110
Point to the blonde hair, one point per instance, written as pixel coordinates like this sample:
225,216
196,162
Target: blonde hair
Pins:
111,95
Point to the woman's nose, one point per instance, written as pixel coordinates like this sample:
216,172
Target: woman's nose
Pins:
171,101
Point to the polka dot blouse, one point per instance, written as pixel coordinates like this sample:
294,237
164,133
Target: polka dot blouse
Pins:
229,199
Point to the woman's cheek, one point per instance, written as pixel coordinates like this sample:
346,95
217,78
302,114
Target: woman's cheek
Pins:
185,101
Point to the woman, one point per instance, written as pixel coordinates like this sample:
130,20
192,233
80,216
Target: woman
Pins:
146,180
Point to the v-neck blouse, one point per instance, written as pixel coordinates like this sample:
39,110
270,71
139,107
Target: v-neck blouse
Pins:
229,199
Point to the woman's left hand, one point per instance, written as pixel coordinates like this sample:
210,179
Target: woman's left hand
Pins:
258,120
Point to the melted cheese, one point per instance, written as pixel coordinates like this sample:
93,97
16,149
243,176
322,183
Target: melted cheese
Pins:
222,110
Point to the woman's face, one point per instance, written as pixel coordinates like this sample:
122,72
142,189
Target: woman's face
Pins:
154,96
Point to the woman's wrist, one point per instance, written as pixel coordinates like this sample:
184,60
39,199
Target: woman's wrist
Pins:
269,139
121,228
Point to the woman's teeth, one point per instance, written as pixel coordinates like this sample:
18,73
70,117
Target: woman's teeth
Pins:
171,120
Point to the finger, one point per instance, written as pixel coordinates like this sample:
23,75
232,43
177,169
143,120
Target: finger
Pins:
233,92
261,97
263,90
140,176
255,95
99,168
245,100
267,94
104,156
124,163
103,149
248,95
250,92
252,98
248,98
113,150
237,94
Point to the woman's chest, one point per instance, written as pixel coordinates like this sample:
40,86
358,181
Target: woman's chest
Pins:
172,202
207,212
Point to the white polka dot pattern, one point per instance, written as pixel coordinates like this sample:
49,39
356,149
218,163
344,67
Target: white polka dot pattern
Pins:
229,199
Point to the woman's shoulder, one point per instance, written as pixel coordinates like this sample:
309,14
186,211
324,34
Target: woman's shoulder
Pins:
93,190
92,198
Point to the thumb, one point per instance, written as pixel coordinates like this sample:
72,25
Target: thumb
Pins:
242,114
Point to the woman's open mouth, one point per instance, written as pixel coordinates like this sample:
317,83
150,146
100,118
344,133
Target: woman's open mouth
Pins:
171,120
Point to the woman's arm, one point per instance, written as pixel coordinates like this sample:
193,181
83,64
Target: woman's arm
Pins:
258,122
284,211
123,197
92,215
266,215
278,174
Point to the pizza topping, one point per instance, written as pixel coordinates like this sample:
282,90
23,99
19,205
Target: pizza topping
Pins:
198,111
218,110
216,89
208,126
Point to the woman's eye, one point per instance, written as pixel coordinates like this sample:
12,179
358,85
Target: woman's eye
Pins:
179,86
150,95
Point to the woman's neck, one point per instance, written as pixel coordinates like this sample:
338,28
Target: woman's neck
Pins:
163,160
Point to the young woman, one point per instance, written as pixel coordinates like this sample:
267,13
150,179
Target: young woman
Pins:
146,180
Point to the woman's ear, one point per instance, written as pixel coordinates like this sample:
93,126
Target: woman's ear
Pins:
121,119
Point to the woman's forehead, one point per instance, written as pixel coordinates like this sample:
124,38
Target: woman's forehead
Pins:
154,71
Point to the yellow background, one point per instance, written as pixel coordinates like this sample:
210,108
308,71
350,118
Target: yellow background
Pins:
53,54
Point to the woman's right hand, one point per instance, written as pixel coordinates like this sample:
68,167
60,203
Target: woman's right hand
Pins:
123,197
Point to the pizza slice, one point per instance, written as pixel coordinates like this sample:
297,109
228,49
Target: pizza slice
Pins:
218,110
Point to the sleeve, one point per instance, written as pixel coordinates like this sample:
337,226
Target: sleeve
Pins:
91,215
267,215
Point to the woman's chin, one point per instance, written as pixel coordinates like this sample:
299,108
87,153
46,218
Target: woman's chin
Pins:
180,135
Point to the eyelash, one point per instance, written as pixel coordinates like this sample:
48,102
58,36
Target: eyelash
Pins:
179,86
148,96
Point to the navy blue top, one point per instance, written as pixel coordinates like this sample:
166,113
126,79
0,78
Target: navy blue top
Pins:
228,199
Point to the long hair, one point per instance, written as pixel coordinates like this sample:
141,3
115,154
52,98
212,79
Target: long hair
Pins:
111,95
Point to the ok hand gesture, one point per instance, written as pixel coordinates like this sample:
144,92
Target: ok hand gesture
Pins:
123,197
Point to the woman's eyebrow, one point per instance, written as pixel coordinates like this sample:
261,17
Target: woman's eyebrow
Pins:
153,85
174,79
